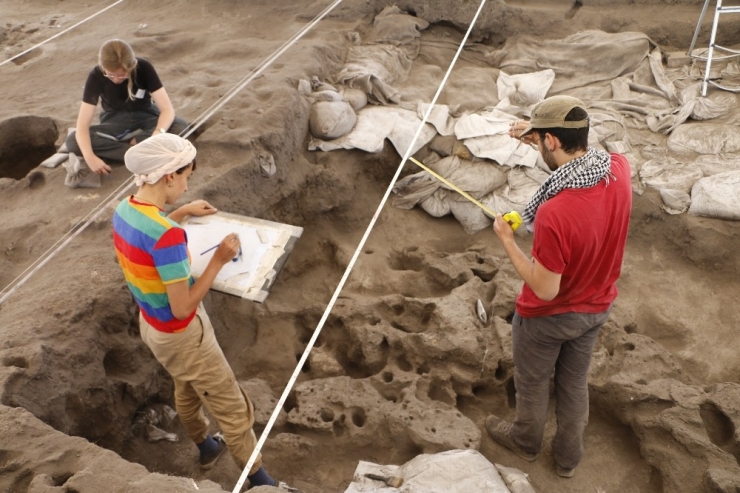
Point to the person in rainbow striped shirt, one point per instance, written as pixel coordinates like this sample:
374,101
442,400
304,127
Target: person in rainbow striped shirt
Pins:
152,251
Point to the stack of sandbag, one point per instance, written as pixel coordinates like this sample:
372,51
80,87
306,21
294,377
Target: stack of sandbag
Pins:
712,179
477,177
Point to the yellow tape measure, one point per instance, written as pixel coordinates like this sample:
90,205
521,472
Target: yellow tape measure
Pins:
513,217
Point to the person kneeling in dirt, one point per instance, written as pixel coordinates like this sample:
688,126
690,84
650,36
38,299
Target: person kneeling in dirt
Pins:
135,105
152,251
580,218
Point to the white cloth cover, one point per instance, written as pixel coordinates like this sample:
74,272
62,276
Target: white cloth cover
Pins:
157,156
454,471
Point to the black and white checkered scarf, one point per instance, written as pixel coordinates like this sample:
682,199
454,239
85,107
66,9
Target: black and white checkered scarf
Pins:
582,172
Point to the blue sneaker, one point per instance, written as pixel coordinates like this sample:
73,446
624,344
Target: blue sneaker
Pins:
207,461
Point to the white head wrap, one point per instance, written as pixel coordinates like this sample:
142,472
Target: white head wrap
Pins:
157,156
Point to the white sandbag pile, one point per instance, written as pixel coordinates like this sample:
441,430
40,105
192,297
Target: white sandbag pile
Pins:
668,173
478,178
705,138
714,177
633,100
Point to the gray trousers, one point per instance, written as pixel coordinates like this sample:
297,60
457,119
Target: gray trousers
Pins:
116,123
563,343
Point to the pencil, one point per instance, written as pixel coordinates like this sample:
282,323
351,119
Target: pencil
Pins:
212,248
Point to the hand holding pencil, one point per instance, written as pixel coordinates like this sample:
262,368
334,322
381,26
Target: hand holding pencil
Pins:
229,249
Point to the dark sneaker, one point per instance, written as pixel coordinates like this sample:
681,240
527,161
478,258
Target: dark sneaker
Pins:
207,461
500,431
563,472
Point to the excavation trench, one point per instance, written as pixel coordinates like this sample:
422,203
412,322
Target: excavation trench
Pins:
403,365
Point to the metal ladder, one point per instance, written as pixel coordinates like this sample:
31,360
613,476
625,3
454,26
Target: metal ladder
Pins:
728,52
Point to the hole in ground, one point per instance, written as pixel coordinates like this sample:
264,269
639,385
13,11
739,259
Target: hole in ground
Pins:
16,361
25,141
720,429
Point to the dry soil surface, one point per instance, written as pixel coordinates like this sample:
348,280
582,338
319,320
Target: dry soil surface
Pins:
403,366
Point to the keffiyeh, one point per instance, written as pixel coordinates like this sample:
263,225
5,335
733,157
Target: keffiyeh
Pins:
582,172
158,156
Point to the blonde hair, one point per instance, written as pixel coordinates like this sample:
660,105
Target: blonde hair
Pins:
116,54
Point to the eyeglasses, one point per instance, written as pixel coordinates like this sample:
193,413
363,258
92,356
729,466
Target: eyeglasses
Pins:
535,141
116,77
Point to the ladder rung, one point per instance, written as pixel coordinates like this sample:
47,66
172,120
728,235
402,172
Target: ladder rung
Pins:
709,55
733,88
702,54
715,57
730,50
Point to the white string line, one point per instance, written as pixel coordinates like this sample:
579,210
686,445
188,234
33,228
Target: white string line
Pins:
59,33
348,270
257,71
122,189
52,251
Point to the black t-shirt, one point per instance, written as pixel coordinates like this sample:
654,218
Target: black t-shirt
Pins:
114,97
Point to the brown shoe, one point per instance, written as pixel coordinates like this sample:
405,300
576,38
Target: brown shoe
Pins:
563,472
500,431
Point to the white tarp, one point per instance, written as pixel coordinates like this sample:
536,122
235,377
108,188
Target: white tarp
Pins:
454,471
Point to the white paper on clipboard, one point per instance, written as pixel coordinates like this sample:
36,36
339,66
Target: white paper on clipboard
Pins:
265,247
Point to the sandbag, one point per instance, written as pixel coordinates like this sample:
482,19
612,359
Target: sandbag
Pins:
478,178
470,216
331,119
705,138
327,95
711,164
675,201
449,146
717,196
437,204
393,26
522,184
355,97
374,69
670,174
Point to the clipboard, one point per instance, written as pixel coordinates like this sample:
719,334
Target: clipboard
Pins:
265,248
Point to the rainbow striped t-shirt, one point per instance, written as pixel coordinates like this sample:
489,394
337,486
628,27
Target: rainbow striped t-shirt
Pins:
152,251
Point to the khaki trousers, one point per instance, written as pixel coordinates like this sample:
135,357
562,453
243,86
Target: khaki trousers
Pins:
202,376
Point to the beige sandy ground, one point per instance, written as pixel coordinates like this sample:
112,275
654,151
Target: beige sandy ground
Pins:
402,366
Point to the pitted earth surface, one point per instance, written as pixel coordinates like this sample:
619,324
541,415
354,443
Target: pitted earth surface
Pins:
403,365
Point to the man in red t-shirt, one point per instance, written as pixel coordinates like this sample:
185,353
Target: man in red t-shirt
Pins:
580,219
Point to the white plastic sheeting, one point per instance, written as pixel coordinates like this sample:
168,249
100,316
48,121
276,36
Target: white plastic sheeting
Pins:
454,471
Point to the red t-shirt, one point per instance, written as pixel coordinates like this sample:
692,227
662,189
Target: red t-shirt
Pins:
581,233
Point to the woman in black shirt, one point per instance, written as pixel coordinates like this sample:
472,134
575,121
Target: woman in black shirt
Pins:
135,105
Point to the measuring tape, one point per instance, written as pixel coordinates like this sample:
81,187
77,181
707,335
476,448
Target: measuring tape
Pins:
513,217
